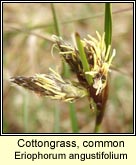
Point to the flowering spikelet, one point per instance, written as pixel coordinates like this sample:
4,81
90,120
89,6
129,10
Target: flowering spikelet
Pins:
101,61
52,85
98,59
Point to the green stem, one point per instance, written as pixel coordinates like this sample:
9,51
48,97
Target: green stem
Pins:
73,118
55,20
65,73
65,69
56,107
108,38
108,24
97,128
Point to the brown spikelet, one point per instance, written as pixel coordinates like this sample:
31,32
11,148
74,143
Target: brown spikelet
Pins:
52,85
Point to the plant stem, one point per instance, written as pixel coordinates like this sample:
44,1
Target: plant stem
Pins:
108,24
96,129
65,70
56,24
108,38
73,118
66,74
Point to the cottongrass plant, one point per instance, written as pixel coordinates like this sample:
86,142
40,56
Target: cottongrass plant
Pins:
91,66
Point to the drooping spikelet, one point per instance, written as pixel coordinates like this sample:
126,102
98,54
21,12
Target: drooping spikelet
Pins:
52,85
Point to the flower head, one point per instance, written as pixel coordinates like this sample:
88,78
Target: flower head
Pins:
99,60
52,85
